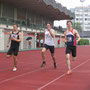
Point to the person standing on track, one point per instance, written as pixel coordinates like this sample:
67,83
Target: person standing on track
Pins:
58,42
15,37
48,44
71,41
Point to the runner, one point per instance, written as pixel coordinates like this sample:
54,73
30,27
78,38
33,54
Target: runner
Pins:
15,38
71,41
49,44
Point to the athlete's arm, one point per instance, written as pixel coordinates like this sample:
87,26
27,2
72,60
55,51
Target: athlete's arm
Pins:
52,33
78,36
20,38
44,38
65,40
9,39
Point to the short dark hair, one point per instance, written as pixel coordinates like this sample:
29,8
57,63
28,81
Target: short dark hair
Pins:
69,21
49,23
15,24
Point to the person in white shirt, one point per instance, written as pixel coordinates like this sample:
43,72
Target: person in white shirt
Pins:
41,42
48,44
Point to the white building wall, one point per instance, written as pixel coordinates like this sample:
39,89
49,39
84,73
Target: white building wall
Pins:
1,39
82,15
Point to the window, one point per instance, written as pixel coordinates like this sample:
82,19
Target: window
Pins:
77,19
87,27
88,19
85,19
88,23
86,14
77,15
85,10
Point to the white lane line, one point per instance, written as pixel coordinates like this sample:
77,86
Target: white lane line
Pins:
61,76
21,65
26,74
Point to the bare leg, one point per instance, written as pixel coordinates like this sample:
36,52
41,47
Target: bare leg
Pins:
15,61
43,53
54,59
73,58
68,61
8,56
43,57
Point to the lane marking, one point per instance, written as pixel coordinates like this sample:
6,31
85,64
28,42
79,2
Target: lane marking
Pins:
61,75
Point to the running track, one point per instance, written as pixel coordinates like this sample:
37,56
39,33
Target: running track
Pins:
30,76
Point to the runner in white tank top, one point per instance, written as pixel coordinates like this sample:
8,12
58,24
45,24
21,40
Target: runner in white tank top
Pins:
49,40
48,44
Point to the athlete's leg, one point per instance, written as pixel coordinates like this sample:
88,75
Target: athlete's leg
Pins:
9,53
52,50
43,57
43,53
16,49
54,59
74,53
68,64
8,56
15,61
68,61
73,58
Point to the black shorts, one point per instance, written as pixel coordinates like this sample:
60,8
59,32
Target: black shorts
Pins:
51,48
13,50
71,49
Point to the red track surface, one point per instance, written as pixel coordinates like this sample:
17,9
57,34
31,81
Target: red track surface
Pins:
30,76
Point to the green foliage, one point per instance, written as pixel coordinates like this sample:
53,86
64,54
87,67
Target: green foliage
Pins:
84,42
77,26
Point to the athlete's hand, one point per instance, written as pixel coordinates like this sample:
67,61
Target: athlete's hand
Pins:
7,45
13,39
64,40
77,41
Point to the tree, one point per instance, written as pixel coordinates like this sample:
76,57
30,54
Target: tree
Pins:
77,26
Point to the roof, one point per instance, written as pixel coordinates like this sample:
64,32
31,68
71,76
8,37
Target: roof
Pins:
48,8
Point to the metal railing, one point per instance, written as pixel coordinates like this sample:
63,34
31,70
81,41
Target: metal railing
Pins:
21,23
26,24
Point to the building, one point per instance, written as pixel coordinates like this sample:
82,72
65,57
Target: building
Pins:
31,16
82,15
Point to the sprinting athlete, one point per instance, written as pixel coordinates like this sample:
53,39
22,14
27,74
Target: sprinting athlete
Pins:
71,38
49,44
15,37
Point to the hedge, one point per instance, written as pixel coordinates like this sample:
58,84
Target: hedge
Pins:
83,42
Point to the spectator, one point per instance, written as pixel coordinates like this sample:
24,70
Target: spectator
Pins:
59,42
41,42
37,42
29,43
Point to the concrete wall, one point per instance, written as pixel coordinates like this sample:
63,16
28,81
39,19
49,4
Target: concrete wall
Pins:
1,39
4,35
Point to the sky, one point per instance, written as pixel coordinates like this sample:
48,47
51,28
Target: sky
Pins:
69,4
73,3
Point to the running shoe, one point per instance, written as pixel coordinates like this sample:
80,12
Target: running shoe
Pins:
43,64
69,72
14,69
